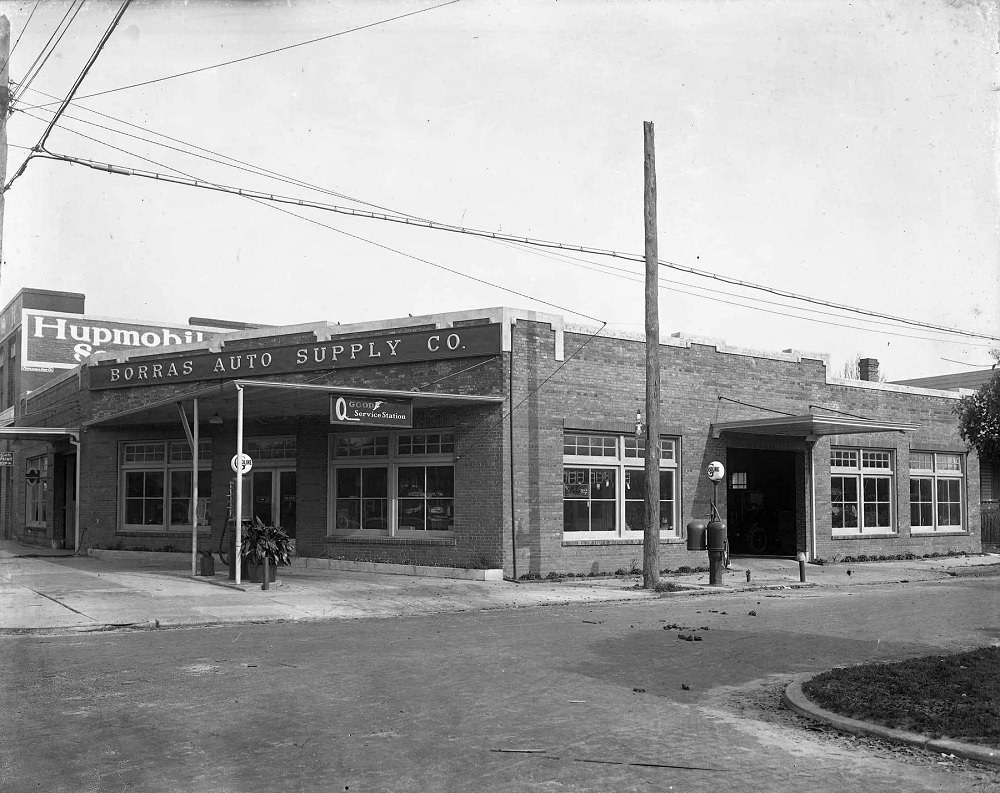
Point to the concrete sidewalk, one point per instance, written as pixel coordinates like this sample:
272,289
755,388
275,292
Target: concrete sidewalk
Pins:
52,591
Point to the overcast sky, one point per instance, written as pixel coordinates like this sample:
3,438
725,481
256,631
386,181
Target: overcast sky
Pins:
847,152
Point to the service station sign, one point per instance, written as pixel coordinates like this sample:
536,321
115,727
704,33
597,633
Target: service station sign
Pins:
366,410
338,353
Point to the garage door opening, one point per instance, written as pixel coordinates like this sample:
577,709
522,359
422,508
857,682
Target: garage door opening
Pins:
761,502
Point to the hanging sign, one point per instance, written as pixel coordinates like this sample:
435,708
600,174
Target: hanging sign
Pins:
241,463
370,411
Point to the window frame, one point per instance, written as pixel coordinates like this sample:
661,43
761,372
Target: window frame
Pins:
863,465
391,451
624,456
938,475
174,457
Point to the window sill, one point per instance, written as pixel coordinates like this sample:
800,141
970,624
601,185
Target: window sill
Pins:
385,540
939,532
868,535
615,541
159,531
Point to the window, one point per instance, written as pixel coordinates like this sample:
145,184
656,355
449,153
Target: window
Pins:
861,488
604,486
936,492
36,477
400,484
156,491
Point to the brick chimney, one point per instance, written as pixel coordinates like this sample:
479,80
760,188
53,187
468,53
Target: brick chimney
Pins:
868,369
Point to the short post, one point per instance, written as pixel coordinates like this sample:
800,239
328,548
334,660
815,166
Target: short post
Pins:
802,567
266,583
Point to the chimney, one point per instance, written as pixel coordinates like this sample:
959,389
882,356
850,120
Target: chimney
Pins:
868,369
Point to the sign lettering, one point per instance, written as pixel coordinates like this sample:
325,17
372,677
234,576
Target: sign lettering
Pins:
371,411
474,340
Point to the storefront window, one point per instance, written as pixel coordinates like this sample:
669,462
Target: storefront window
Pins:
936,485
861,491
156,492
604,483
406,486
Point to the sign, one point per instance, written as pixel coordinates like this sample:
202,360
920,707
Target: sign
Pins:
241,463
52,340
32,475
6,459
370,411
338,353
716,471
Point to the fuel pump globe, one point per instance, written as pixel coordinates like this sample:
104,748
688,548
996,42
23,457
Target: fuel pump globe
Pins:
716,471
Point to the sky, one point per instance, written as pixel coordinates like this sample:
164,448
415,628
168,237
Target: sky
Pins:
846,152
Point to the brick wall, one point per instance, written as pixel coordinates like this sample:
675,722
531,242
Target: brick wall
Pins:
602,380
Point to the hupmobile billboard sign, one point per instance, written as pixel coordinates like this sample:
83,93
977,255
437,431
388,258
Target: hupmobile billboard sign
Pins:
50,340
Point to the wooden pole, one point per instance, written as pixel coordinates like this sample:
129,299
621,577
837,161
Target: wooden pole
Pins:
4,110
651,534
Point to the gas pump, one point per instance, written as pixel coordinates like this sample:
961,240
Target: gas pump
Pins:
230,531
712,537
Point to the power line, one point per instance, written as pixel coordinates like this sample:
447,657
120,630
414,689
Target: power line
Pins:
10,55
429,224
40,146
33,72
50,155
263,54
556,256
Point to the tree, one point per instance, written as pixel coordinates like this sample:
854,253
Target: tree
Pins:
979,419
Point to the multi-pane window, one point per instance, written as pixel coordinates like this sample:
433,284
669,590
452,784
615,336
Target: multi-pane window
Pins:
861,491
936,484
156,485
393,484
36,490
604,484
271,449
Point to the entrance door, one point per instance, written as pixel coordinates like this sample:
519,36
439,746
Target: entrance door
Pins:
273,494
761,502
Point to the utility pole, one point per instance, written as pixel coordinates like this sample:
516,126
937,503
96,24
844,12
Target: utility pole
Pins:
651,535
4,112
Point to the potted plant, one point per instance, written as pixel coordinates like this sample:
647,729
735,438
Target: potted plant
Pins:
262,542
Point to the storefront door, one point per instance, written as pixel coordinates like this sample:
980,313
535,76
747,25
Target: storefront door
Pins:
273,497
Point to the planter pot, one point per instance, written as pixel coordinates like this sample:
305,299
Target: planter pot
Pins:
254,573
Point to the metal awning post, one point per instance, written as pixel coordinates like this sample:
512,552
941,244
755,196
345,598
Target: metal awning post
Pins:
238,529
76,497
194,494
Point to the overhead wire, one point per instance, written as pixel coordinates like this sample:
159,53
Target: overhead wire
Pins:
576,248
40,146
268,52
453,271
46,51
27,22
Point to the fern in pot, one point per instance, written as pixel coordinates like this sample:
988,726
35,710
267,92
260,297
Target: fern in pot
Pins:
262,542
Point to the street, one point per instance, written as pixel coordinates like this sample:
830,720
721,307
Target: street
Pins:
584,697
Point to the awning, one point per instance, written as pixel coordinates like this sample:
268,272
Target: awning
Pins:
38,433
274,400
808,426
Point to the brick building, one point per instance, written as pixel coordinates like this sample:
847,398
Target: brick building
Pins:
491,438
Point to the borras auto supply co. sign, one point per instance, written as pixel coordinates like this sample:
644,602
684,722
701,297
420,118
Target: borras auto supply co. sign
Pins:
51,340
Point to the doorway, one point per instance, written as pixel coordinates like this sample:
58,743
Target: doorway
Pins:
760,502
273,493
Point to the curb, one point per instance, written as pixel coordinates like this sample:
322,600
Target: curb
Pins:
796,699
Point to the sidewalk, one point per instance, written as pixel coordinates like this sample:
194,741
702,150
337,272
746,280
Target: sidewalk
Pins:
54,591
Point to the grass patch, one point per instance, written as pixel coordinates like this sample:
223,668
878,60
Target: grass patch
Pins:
943,696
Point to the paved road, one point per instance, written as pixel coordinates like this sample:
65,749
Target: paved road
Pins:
579,697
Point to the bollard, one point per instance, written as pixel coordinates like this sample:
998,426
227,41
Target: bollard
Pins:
802,567
266,583
748,576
